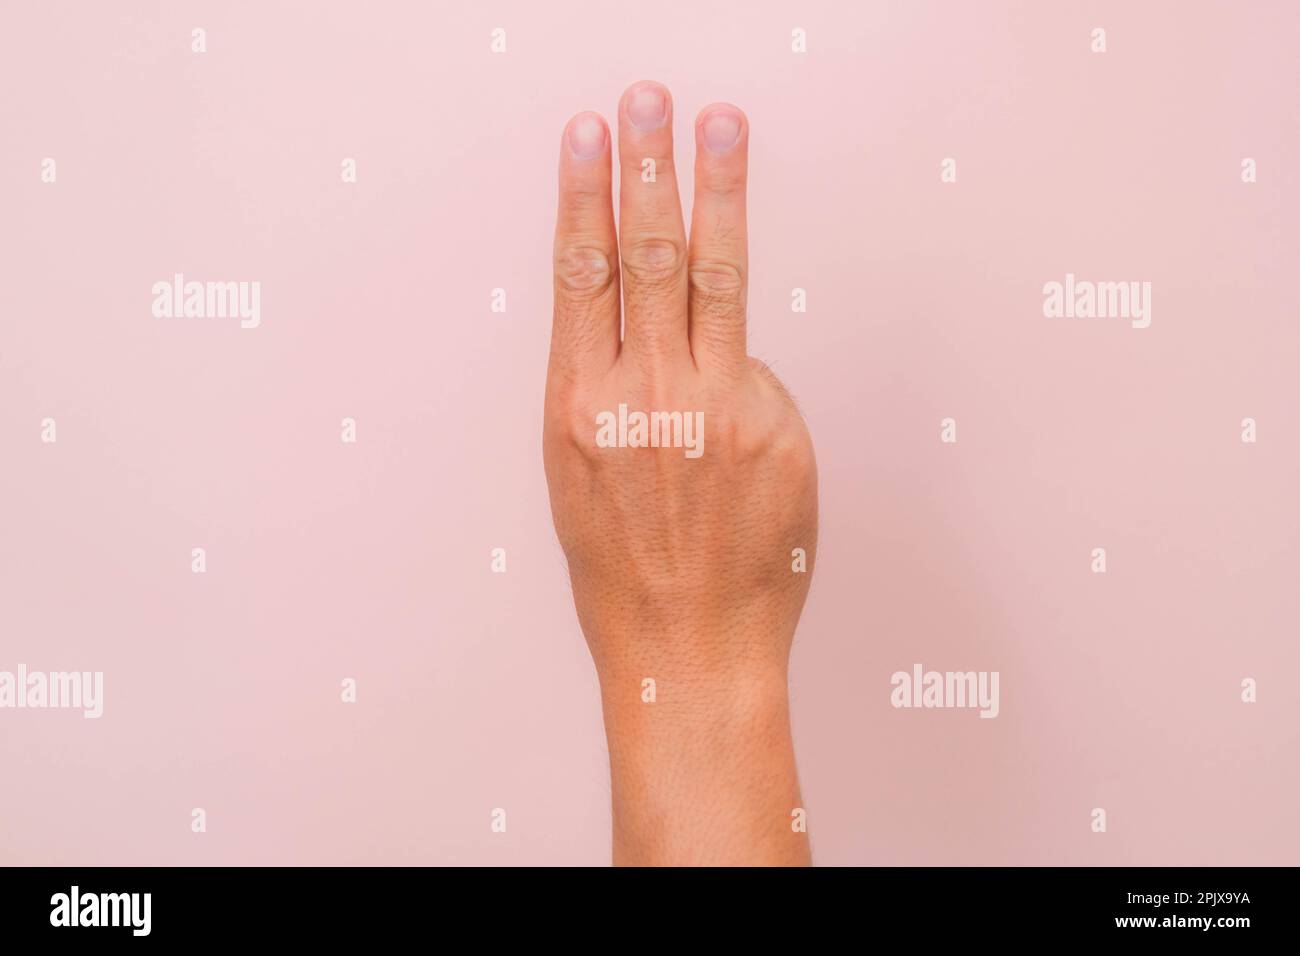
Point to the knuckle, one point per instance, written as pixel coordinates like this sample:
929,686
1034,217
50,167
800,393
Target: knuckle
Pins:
585,271
780,447
653,260
716,280
790,451
570,430
580,434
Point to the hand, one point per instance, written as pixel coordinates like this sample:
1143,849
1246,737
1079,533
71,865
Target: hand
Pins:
681,556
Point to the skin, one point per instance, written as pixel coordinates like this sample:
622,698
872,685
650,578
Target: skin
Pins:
681,568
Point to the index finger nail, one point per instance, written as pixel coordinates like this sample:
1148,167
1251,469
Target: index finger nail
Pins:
586,136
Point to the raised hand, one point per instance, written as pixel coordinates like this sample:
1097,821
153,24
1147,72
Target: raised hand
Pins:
683,488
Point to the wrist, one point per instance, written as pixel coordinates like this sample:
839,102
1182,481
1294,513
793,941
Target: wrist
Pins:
659,697
702,766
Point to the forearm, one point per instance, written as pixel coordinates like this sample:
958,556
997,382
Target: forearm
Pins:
704,774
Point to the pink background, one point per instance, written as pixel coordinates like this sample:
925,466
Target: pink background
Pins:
371,561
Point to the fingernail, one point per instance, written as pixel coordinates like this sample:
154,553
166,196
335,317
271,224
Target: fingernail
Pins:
647,107
587,136
721,130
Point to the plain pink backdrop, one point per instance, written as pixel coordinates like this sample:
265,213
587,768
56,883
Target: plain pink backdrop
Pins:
328,560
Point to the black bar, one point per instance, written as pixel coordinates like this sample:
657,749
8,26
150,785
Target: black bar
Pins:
367,905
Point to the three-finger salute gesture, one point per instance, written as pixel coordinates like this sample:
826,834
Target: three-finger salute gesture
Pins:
683,488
